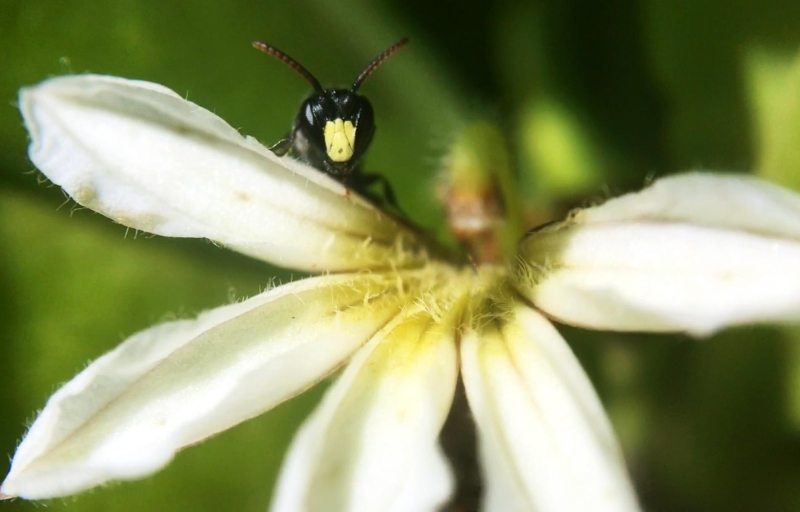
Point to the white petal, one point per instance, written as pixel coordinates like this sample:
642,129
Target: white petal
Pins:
175,384
733,202
372,443
694,253
139,154
545,442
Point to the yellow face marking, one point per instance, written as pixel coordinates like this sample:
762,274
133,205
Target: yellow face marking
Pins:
340,140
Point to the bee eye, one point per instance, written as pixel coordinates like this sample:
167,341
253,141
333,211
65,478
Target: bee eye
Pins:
309,113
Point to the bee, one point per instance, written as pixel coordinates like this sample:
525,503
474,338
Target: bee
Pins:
334,127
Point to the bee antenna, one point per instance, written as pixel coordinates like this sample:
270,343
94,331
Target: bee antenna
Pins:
380,59
271,50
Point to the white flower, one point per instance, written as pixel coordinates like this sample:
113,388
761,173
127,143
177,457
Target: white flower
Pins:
693,253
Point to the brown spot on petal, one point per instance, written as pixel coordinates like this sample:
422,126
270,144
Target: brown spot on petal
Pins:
726,275
243,196
145,222
84,194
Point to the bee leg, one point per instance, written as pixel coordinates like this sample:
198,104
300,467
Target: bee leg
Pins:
388,191
361,182
283,146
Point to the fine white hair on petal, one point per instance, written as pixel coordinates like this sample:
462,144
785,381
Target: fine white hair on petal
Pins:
694,253
143,156
175,384
372,443
544,440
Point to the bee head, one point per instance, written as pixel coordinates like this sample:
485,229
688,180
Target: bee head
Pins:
334,127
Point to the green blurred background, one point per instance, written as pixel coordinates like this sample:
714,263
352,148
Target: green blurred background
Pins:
596,100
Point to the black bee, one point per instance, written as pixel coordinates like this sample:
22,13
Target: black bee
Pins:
334,127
